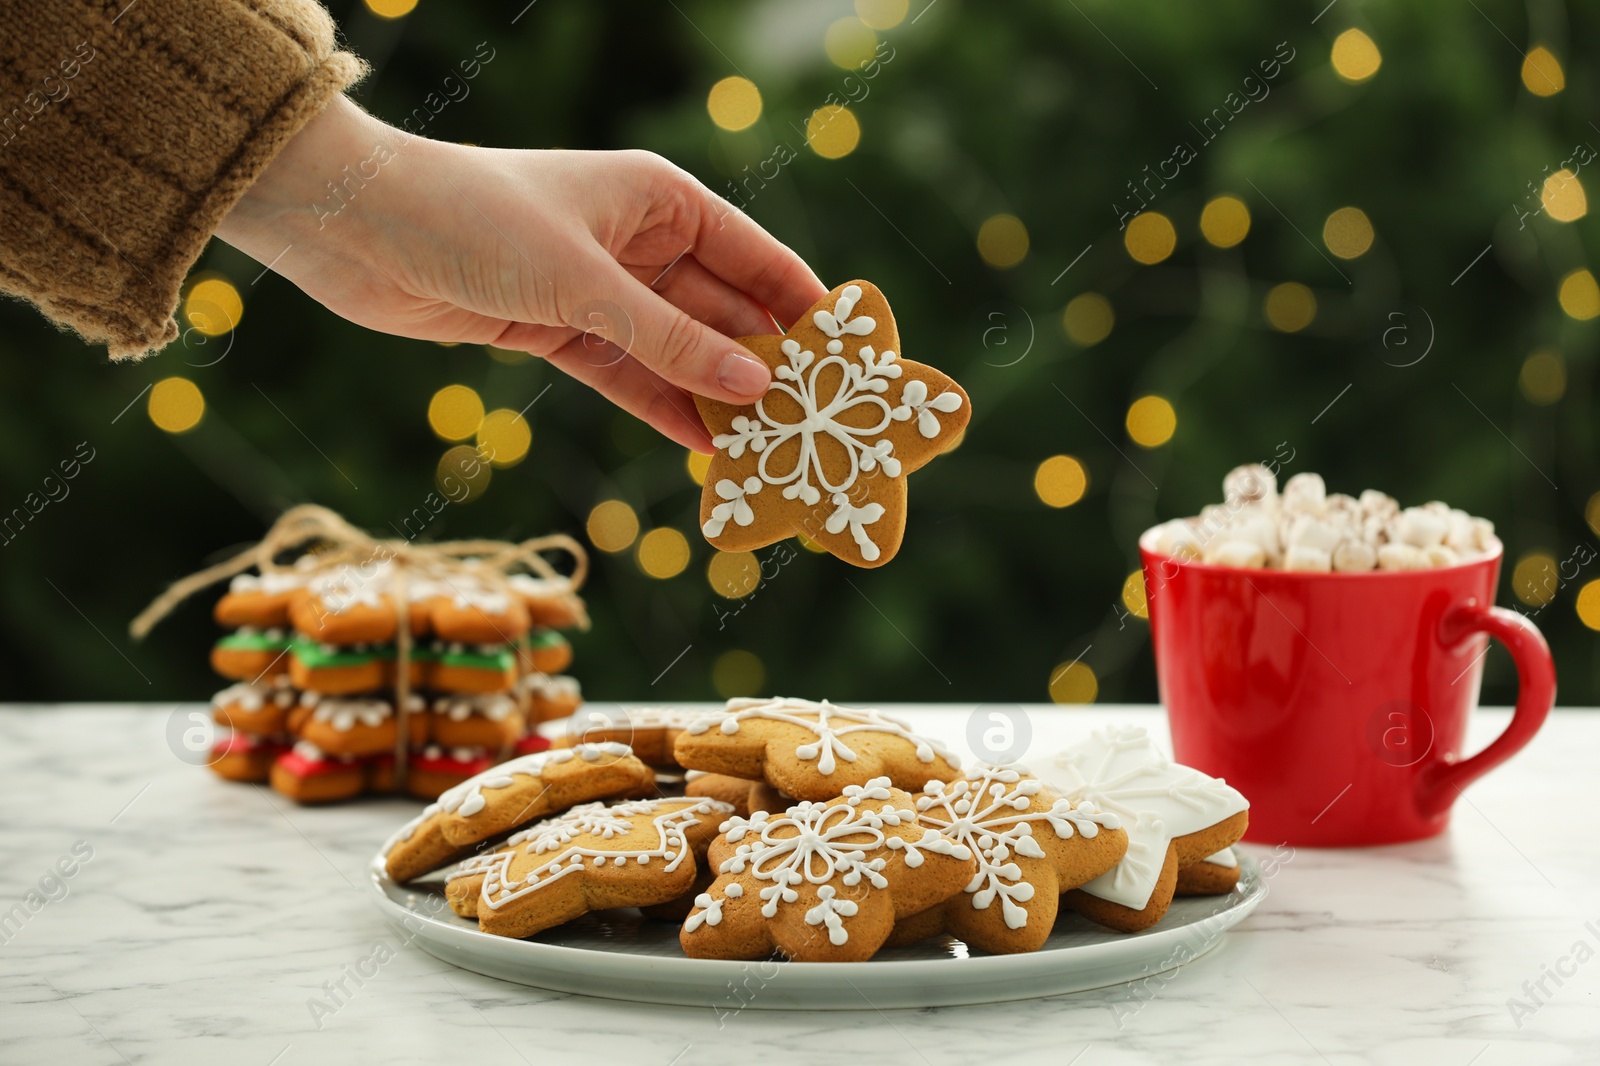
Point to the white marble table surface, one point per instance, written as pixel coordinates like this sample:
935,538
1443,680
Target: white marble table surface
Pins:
209,914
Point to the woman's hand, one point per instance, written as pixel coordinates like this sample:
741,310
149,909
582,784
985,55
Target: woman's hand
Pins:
618,267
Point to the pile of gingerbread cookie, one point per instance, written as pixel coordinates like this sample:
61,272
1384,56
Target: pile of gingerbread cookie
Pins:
314,657
822,833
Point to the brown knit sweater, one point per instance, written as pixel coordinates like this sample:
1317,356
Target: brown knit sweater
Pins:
127,132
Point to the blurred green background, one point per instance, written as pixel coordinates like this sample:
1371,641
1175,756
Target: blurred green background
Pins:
1438,342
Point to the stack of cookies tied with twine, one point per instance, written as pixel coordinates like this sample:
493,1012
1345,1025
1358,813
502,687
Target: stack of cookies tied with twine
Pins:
361,664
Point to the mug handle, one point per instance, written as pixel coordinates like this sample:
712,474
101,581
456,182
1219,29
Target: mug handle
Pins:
1442,781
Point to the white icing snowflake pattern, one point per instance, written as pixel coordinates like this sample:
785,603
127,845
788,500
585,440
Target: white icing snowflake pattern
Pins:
848,516
988,813
594,820
734,505
828,721
914,401
815,843
854,418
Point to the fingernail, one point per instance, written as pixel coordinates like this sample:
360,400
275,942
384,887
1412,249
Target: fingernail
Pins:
743,375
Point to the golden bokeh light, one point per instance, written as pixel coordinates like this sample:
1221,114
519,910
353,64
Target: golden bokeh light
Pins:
1589,604
1073,682
1347,232
663,552
697,463
738,673
1003,241
734,103
1543,379
612,526
1060,481
1151,421
1579,295
1133,595
1225,221
462,474
391,9
1290,307
733,574
506,355
849,42
176,405
1355,56
882,14
1591,513
1563,196
832,131
455,412
1541,72
504,436
213,307
808,544
1088,319
1535,579
1150,237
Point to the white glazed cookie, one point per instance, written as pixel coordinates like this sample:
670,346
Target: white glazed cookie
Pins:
1174,815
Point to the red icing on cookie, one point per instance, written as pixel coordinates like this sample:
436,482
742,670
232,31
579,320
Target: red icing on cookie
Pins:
446,764
300,766
531,743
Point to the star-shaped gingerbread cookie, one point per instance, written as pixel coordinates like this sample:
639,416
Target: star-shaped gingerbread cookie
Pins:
823,882
827,449
812,750
1032,844
641,853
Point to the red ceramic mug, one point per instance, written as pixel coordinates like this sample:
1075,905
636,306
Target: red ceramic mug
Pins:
1337,702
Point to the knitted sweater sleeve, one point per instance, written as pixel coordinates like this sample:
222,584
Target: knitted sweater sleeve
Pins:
127,132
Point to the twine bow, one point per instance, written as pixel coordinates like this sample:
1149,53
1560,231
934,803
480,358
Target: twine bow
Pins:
309,528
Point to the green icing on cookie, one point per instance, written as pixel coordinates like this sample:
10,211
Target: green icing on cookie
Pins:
539,639
254,640
317,656
500,659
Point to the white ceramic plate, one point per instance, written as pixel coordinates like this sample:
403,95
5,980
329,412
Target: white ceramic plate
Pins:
622,955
